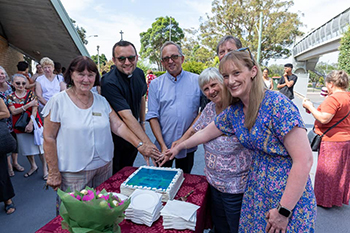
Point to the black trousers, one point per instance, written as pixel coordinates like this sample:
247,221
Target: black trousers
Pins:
124,154
185,164
6,188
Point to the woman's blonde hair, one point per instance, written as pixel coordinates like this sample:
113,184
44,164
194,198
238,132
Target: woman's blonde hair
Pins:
339,78
45,61
257,91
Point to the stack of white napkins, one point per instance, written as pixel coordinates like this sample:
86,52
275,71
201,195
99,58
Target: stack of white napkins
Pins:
145,207
179,215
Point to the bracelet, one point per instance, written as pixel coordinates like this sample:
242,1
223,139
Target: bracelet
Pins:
23,108
142,122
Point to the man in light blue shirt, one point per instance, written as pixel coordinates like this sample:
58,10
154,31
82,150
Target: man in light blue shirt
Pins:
173,104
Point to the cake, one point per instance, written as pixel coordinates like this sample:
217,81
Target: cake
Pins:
164,180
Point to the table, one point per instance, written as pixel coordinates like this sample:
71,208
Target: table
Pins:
200,197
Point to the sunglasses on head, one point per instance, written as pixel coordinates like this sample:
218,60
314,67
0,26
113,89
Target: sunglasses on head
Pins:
244,49
19,83
123,59
173,57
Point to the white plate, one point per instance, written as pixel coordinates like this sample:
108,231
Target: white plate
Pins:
121,196
144,201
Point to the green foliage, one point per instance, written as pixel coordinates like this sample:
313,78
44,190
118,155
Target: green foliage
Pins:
107,66
321,70
153,39
81,32
344,52
194,66
193,51
103,59
276,70
241,19
158,73
143,66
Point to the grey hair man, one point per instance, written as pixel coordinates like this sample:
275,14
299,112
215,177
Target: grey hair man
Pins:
226,45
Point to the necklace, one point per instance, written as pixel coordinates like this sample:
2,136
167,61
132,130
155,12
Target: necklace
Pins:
20,95
85,103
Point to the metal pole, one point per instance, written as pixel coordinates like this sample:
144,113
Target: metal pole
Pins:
260,34
170,30
98,58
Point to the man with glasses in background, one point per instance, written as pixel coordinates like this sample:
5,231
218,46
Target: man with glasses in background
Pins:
125,87
173,104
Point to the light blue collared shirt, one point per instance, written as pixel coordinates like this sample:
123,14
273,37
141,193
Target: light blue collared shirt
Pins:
175,104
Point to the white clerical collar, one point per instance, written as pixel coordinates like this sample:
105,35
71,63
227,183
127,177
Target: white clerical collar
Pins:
129,76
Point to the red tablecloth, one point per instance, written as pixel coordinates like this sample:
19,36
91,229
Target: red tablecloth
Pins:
200,197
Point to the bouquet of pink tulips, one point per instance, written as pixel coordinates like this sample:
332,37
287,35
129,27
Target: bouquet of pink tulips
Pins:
91,211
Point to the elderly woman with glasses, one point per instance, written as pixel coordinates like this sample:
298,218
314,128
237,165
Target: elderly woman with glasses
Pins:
48,84
226,161
279,196
22,100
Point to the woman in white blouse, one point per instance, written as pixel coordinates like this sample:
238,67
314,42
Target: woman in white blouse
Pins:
267,80
48,84
78,142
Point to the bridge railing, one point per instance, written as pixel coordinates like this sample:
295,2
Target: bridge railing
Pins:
334,28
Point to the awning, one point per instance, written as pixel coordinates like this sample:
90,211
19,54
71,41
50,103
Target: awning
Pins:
40,28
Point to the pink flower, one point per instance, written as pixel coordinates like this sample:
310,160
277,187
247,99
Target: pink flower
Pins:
89,196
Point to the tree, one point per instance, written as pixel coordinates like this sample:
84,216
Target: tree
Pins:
276,70
194,67
81,32
103,59
344,52
241,19
193,51
321,70
153,39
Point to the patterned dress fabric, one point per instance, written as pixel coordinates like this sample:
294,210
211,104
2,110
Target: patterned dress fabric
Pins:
332,181
227,162
271,163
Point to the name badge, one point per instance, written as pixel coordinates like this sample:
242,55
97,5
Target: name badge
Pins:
96,114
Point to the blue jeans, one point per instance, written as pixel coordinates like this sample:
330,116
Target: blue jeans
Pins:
226,210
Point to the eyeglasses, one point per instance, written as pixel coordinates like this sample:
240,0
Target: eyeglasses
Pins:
173,57
123,59
244,49
19,83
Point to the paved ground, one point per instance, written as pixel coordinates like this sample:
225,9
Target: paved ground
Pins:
36,206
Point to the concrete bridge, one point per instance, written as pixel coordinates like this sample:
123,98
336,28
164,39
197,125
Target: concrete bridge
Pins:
322,40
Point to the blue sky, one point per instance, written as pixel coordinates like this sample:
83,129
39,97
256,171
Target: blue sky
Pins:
106,18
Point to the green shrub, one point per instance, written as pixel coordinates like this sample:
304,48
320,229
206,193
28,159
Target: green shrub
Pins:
158,73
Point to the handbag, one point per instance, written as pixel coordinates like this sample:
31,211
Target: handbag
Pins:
38,132
24,119
7,142
315,139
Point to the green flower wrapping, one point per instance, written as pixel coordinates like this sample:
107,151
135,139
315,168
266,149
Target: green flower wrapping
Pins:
89,211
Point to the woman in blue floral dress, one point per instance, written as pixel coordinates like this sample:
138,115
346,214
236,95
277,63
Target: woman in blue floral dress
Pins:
279,195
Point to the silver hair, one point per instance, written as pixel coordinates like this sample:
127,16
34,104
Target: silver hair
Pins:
170,43
7,77
208,74
19,75
235,40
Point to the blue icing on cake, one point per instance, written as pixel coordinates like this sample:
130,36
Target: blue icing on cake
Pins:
159,179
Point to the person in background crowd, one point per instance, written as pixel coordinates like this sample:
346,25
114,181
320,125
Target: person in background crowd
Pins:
49,84
6,90
124,87
332,181
39,72
287,81
173,104
26,146
226,168
22,68
79,153
226,45
267,80
57,68
279,195
63,70
6,188
149,77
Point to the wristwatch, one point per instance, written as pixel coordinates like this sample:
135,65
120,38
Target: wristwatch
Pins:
284,211
140,144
